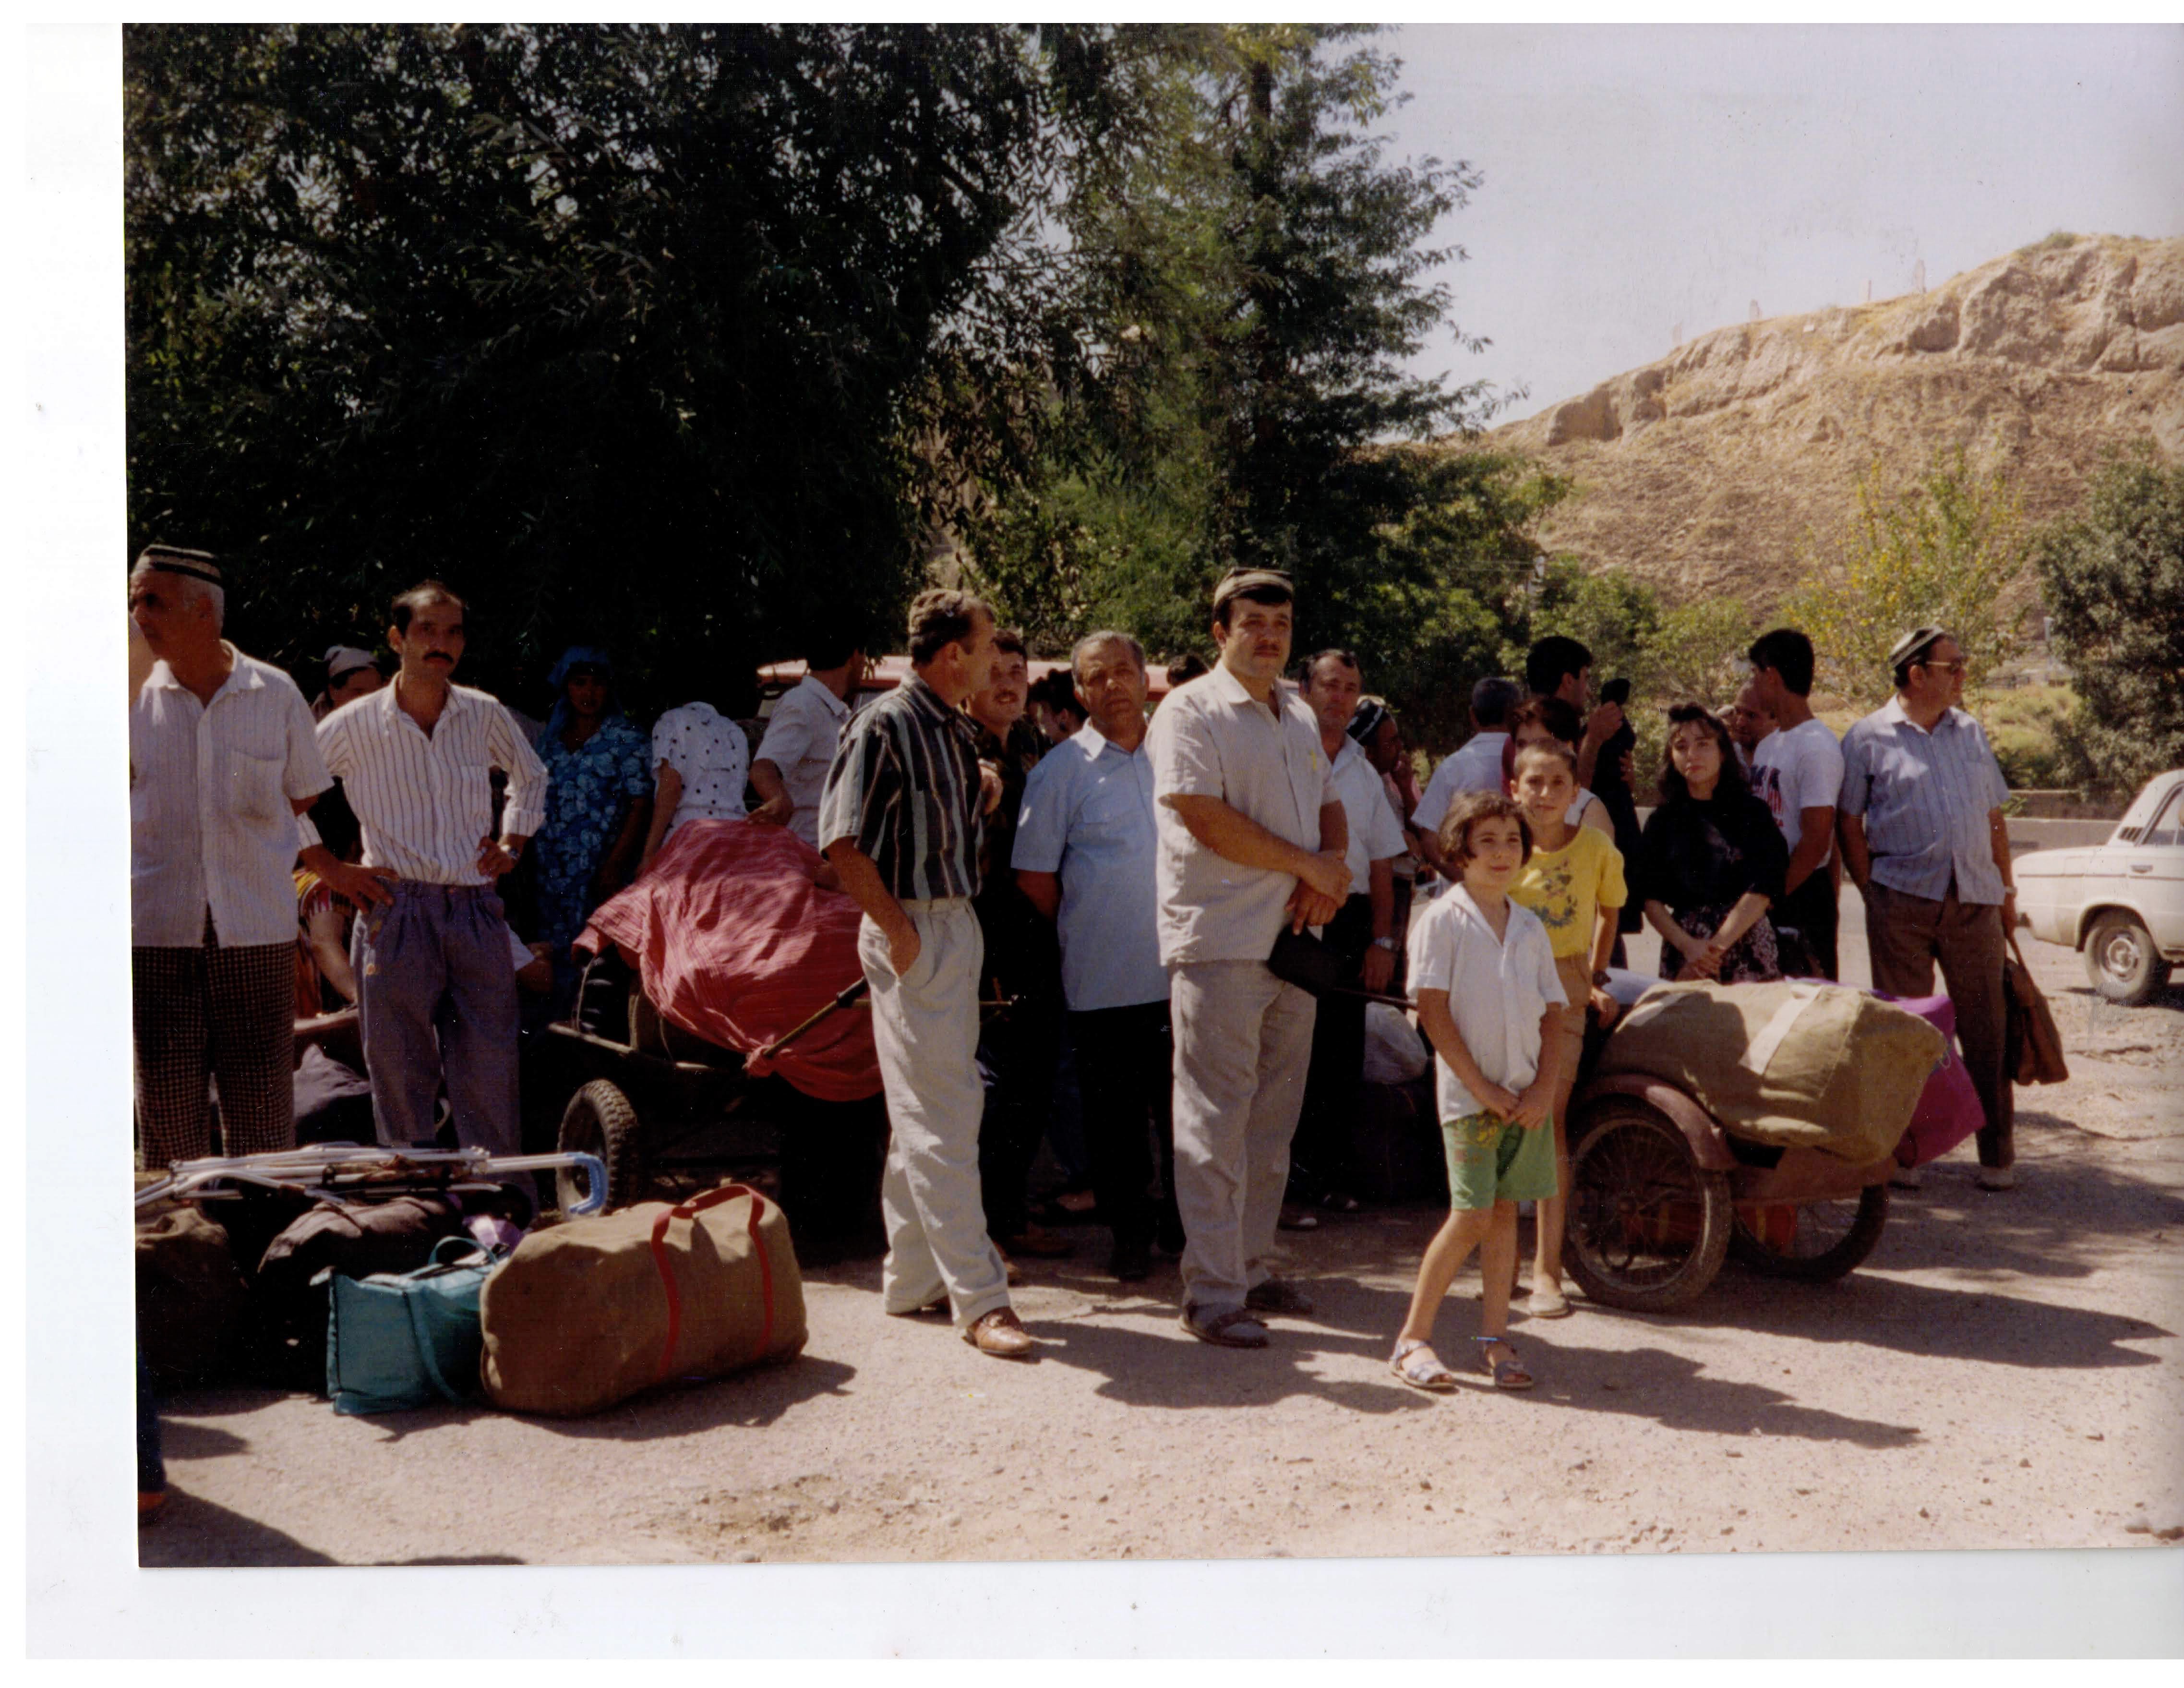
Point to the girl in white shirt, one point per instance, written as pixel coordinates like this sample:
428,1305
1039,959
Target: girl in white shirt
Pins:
1483,970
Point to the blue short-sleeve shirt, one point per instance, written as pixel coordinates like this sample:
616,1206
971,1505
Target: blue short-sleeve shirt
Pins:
1088,816
1926,797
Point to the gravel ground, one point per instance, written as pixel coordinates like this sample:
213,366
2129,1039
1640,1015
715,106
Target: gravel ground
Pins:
2004,1372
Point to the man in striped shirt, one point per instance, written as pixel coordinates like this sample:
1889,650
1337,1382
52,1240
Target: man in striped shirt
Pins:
431,952
900,819
221,759
1923,835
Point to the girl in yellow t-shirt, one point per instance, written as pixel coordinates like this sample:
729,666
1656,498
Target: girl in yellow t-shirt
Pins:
1573,882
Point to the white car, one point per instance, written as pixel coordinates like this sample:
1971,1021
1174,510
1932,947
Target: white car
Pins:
2121,903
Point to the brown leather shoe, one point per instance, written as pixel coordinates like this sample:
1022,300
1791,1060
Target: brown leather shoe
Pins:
1000,1333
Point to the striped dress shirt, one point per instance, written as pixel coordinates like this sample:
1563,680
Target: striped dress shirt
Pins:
903,789
1926,797
210,821
424,802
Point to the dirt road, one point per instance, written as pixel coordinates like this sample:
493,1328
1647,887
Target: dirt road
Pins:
2006,1370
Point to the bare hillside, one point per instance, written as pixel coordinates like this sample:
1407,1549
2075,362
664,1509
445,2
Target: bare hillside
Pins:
1702,472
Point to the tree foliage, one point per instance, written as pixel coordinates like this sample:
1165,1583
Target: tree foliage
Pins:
682,339
614,328
1252,269
1950,551
2113,576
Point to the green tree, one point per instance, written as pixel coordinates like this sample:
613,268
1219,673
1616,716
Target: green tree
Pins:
1248,266
1949,550
617,329
2113,576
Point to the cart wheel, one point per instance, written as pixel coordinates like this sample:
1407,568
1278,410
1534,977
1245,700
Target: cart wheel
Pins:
599,1120
1647,1226
1813,1242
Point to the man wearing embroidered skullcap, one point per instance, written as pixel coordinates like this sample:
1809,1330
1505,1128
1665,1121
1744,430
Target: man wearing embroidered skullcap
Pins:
351,674
1922,828
222,758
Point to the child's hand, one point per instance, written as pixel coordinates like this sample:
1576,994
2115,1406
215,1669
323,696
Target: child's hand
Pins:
1501,1103
1530,1111
1606,1006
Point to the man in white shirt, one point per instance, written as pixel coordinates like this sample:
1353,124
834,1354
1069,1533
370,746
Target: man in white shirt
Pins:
1251,839
221,760
790,770
1363,934
1798,771
1475,765
431,952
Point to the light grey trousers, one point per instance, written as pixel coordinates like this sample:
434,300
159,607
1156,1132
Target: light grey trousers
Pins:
436,997
1242,1045
925,1026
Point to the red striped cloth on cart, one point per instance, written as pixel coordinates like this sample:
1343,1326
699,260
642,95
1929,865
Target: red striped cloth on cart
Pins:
735,943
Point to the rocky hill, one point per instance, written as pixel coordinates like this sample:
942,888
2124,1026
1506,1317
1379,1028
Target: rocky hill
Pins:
1704,472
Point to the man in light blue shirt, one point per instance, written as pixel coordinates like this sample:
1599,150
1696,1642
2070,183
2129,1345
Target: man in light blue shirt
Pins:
1085,849
1922,835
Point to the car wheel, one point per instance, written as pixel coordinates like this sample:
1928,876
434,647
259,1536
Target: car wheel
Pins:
2121,961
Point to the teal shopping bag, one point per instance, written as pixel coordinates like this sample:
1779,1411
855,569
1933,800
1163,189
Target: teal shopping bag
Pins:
395,1342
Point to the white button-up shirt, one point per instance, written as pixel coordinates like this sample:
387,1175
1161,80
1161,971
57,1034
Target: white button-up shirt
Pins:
210,821
1213,739
424,802
1498,988
1374,834
800,737
1474,766
1088,816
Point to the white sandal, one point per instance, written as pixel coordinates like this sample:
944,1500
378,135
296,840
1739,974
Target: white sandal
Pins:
1428,1374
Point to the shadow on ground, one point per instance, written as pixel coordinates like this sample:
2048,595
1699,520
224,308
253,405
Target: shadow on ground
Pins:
197,1534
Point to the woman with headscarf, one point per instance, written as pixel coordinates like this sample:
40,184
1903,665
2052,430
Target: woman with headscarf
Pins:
599,798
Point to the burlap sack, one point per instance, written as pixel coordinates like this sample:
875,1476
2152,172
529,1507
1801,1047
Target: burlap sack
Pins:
1817,1065
589,1312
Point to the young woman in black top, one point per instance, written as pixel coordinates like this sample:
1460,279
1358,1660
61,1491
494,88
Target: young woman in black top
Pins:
1710,861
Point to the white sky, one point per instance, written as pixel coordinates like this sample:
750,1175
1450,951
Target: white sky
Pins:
1640,177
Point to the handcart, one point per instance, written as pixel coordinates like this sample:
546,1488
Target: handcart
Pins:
1661,1194
648,1099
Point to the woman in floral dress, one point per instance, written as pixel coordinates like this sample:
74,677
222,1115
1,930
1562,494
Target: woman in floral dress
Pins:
599,798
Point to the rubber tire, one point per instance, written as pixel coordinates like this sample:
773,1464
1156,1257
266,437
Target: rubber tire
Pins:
1839,1262
2149,974
1604,1122
600,1120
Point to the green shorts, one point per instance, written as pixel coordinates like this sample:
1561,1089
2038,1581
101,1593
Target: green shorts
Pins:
1490,1161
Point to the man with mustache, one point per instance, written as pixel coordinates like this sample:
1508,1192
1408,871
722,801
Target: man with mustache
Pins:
438,995
1252,839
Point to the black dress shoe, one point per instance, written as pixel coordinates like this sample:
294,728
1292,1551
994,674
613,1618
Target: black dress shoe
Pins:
1132,1261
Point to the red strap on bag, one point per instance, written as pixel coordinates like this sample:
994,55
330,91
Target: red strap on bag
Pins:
711,1198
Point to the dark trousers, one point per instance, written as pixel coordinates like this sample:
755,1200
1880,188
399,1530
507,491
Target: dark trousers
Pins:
1125,1065
1907,936
1811,910
1319,1153
1019,1050
436,989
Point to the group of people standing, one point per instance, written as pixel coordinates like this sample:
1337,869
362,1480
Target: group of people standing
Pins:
1120,880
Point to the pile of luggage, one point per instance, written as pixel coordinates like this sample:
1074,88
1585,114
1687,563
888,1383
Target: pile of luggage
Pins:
386,1300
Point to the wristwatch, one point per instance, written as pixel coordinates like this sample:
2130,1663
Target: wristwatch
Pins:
1600,979
1387,944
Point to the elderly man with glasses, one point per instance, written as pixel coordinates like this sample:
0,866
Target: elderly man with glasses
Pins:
1921,828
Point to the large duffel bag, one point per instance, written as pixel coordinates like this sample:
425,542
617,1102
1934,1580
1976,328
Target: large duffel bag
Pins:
587,1313
1799,1064
193,1306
